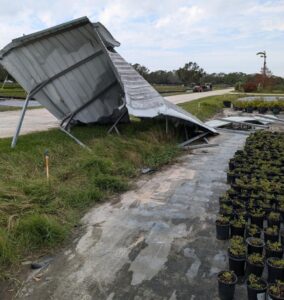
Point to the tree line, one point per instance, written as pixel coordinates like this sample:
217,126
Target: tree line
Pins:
191,73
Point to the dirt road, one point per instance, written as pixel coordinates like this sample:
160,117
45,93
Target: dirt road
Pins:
35,120
154,242
41,119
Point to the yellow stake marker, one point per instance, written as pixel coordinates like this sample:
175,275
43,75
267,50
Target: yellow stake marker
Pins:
46,156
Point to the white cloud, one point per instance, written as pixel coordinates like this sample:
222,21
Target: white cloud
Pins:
218,34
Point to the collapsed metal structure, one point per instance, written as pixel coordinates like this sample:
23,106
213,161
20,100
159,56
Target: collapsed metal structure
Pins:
74,71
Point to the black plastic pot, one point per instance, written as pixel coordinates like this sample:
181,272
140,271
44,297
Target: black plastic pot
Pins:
262,110
270,237
222,232
256,294
273,272
272,253
237,230
272,222
237,264
276,110
252,248
227,290
257,221
254,269
227,103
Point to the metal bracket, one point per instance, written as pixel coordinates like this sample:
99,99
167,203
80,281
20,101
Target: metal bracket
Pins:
75,139
113,127
95,97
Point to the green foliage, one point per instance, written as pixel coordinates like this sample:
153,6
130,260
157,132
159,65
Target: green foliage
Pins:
277,289
190,73
272,230
276,262
259,103
37,231
256,259
274,216
222,220
253,229
256,242
227,276
257,212
239,222
237,246
256,282
7,251
274,246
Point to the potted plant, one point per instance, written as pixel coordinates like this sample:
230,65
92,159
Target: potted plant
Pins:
253,231
227,103
255,264
238,226
237,255
222,228
257,216
275,267
281,210
255,245
256,287
226,284
271,234
273,249
282,237
275,107
226,210
276,290
273,218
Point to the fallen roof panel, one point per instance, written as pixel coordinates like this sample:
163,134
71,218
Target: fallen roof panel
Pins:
73,70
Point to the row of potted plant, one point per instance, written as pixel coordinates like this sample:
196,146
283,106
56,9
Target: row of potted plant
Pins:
247,257
257,288
251,212
261,105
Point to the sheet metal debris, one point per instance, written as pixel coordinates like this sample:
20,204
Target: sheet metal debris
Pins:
75,72
256,120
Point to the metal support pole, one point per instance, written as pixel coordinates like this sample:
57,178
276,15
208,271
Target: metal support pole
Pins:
116,122
75,139
19,126
4,82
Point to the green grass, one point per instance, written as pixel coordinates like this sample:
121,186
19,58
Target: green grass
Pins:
206,108
37,215
14,91
170,90
9,108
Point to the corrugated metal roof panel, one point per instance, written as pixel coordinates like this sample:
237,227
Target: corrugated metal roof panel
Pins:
143,100
71,73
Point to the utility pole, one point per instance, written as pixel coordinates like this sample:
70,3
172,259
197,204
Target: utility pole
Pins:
263,54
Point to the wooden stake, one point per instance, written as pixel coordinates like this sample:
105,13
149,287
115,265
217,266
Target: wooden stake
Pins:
46,156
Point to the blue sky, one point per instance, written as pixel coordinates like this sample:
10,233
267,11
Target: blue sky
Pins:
220,35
